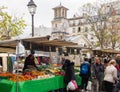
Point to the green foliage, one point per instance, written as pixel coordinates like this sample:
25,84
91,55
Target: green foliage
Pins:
10,26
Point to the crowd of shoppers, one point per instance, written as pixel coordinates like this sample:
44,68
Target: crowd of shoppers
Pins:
104,74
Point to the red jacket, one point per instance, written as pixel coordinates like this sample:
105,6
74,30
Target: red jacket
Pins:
118,68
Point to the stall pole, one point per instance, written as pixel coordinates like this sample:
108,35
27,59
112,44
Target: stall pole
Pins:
17,58
50,52
19,51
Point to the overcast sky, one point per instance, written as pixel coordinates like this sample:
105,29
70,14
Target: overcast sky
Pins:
44,13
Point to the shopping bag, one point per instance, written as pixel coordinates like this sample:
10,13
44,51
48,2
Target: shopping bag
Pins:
89,86
72,85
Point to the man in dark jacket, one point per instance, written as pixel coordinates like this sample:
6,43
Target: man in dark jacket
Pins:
97,74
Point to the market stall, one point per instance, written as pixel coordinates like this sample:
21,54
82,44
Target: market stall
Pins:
105,52
43,85
34,81
45,79
41,44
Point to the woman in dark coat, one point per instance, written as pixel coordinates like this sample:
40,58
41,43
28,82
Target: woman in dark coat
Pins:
68,67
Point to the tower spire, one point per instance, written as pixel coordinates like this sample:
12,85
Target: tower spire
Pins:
60,2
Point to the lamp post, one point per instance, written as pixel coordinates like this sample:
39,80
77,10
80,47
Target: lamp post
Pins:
32,9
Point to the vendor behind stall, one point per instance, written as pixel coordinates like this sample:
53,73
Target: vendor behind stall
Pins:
30,62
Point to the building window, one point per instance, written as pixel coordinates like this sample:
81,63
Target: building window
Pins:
73,23
80,23
62,12
55,14
73,30
91,38
79,29
55,36
86,35
92,43
55,25
86,29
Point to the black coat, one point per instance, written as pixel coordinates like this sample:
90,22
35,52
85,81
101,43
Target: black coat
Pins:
68,67
29,61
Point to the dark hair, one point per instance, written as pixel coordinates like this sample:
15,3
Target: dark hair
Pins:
65,53
67,61
32,51
106,60
85,59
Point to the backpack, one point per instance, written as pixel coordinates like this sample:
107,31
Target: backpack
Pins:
84,68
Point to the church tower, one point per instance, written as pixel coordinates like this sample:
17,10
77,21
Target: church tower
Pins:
60,12
59,22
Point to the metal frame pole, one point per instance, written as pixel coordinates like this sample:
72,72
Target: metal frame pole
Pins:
17,54
32,25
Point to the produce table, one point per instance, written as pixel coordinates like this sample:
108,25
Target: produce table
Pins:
44,85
